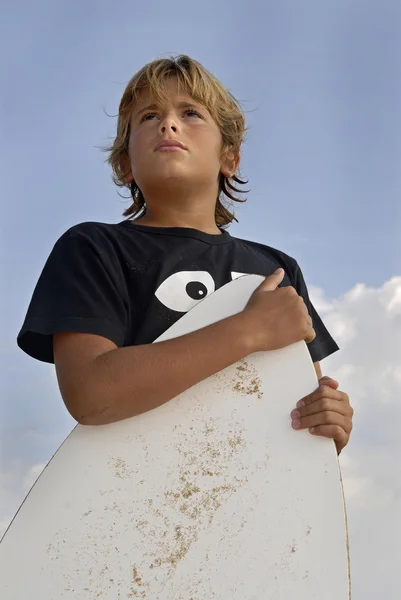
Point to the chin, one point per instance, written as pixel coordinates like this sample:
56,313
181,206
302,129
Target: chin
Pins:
171,171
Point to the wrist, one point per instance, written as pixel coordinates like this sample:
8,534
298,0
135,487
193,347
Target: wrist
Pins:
244,334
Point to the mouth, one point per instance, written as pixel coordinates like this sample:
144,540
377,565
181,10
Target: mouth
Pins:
169,145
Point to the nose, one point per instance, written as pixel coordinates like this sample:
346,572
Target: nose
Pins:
168,123
164,128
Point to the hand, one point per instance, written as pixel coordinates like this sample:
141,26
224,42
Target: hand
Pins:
276,317
326,412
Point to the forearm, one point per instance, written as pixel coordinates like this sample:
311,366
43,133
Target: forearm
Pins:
125,382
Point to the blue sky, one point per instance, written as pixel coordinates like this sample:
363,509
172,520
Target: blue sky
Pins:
320,83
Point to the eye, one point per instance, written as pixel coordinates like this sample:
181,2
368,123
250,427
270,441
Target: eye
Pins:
185,289
187,111
145,116
192,110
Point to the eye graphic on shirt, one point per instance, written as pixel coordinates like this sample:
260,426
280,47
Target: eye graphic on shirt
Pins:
235,275
185,289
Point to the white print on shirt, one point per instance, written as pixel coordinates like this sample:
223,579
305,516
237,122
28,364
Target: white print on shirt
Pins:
235,275
185,289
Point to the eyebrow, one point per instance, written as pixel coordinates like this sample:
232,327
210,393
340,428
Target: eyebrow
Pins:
183,104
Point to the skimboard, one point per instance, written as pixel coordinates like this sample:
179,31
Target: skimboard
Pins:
210,496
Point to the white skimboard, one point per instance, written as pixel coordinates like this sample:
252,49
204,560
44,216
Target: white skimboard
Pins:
210,496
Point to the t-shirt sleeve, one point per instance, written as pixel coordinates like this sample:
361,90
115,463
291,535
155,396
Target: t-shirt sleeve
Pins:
81,289
323,345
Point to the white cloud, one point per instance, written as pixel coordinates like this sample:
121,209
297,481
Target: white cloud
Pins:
366,323
319,301
367,326
32,475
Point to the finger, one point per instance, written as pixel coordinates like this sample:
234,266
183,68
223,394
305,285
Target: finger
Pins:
333,432
323,405
320,418
272,282
321,392
329,382
323,418
310,335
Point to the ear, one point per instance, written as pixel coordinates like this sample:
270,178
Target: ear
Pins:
229,163
125,165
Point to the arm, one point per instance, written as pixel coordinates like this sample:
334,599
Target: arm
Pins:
78,318
101,383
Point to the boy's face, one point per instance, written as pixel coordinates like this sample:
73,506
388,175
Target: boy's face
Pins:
182,120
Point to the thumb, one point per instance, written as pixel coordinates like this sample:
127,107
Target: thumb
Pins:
271,282
329,382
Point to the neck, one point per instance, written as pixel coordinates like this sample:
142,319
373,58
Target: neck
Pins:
180,210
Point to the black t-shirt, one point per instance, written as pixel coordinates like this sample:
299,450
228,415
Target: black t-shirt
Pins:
130,282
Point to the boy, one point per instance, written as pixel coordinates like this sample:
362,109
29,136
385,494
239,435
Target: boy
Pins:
108,290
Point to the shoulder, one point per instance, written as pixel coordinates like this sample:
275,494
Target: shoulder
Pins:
96,237
282,258
89,243
91,230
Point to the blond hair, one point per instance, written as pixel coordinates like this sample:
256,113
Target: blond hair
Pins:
204,88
